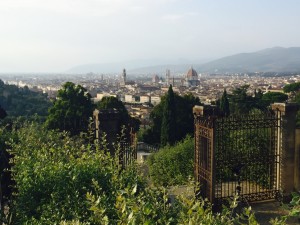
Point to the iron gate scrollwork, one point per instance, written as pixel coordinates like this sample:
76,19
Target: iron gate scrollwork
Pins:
238,155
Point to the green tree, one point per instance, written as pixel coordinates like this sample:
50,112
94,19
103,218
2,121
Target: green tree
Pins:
22,101
224,104
3,113
110,102
184,118
241,102
152,134
5,178
294,96
271,97
71,110
168,124
292,88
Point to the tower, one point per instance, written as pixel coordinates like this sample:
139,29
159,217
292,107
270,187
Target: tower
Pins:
168,73
123,82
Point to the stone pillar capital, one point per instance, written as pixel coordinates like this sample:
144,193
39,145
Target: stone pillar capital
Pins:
285,107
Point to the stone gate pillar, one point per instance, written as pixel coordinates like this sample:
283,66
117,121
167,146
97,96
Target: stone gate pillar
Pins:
288,174
107,123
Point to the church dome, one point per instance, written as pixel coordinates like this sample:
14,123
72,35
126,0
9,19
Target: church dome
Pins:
192,73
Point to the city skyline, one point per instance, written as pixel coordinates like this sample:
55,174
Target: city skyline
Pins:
54,36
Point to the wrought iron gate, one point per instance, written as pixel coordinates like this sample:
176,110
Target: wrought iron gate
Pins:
128,150
238,155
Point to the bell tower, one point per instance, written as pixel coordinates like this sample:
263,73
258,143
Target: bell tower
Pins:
123,77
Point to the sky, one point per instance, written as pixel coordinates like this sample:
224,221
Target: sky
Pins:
56,35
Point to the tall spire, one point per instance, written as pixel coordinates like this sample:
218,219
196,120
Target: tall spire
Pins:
168,77
124,77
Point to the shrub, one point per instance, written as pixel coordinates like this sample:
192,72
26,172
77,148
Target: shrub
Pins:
172,165
53,173
60,180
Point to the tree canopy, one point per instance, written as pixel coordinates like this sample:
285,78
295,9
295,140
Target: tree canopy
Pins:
21,101
294,87
71,110
110,102
168,124
3,113
271,97
224,104
241,102
184,118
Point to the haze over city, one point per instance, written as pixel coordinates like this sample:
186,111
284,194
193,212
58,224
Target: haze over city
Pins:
56,35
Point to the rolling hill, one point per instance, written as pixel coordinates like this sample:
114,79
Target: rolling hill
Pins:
275,59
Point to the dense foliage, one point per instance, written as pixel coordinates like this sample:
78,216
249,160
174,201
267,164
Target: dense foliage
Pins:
292,88
53,174
22,102
72,109
294,96
224,104
184,119
240,102
60,180
3,113
5,178
168,124
172,165
110,102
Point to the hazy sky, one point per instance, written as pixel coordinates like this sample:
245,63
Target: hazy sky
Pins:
55,35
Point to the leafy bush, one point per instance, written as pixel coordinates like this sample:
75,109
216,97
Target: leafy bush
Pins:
152,206
172,165
53,174
60,180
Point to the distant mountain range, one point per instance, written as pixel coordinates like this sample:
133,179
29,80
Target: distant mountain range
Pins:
275,59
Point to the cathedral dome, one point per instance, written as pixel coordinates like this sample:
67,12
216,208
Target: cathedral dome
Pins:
192,73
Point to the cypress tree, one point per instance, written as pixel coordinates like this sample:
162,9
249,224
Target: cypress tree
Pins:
168,125
3,113
224,104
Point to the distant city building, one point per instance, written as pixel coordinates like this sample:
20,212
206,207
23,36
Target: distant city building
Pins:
101,95
191,79
168,74
123,79
129,98
155,100
155,79
144,99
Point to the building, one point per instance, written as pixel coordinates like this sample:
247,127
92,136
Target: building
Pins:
191,78
155,79
168,74
123,78
155,100
102,95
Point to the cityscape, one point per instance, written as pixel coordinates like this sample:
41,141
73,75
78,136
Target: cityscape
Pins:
146,112
140,93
